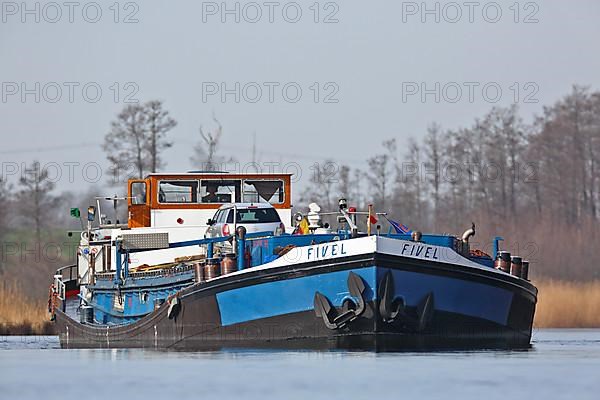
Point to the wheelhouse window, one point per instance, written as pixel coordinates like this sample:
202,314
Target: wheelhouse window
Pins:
178,191
138,193
220,191
263,191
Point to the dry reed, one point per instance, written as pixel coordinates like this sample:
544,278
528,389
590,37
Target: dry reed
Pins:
564,304
561,304
19,314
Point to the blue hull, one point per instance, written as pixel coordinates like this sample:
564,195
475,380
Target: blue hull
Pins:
373,303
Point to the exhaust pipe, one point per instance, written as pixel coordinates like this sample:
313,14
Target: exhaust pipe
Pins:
468,233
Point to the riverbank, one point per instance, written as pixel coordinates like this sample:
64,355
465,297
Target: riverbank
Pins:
560,305
20,315
568,304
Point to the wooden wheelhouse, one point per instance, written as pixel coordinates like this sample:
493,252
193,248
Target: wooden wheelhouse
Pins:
174,200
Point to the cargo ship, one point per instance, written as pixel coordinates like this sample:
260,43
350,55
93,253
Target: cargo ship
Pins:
163,280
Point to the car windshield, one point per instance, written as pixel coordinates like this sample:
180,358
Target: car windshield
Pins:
255,216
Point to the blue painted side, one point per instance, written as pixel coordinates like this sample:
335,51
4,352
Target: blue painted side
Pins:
288,296
262,249
485,261
435,240
453,295
134,309
135,303
295,295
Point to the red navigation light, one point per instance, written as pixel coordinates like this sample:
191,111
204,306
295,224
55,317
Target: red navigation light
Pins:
226,230
351,210
180,221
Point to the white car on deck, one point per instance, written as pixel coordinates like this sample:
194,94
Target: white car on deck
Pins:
255,217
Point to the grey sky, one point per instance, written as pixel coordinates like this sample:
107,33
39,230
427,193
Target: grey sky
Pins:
367,55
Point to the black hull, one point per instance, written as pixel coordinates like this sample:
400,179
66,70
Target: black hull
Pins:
202,322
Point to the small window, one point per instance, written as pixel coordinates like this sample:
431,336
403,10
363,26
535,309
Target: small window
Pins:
263,191
138,193
178,192
220,191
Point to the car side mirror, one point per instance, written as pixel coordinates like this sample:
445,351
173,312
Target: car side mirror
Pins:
210,222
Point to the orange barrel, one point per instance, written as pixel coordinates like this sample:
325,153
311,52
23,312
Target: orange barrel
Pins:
503,261
199,272
516,265
525,270
228,264
212,269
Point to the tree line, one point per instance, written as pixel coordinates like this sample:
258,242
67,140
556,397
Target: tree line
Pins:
498,165
535,183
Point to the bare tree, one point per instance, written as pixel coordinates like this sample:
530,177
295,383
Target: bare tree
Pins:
137,137
380,173
35,197
323,182
433,164
159,123
344,184
206,151
125,143
4,198
408,203
4,210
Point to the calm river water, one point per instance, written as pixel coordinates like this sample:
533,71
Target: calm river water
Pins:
563,364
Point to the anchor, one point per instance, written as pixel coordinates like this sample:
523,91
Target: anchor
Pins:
394,309
350,310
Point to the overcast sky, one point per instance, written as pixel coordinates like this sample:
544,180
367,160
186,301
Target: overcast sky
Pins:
361,70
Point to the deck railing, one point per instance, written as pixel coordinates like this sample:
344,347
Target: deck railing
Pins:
68,273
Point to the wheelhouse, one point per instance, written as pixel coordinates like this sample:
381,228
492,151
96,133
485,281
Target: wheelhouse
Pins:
190,199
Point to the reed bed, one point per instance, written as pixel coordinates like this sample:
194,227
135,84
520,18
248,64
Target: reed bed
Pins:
564,304
561,304
20,315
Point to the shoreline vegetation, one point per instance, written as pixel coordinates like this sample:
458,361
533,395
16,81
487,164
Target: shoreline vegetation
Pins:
561,304
20,315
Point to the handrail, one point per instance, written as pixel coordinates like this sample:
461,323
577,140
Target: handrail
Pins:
70,269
